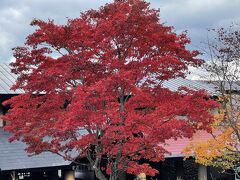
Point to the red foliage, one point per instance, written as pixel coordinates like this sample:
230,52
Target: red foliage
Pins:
87,87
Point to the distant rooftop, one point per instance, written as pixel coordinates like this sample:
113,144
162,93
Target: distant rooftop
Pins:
175,147
7,79
174,84
14,157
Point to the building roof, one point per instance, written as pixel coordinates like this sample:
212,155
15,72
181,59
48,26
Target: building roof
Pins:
175,147
235,85
174,84
14,157
7,79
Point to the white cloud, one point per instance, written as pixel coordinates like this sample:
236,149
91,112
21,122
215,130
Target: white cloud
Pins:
4,40
199,13
12,13
198,74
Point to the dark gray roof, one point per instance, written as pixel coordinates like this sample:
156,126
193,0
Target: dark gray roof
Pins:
235,85
174,84
14,157
7,79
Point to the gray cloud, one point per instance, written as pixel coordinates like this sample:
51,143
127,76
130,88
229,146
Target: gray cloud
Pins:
192,15
15,17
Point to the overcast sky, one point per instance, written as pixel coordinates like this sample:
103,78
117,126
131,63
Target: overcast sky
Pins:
195,16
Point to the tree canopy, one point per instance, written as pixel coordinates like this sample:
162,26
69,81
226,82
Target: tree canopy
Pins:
93,88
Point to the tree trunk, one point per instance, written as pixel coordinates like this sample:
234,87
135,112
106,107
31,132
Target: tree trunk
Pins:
122,175
202,172
99,175
113,176
14,176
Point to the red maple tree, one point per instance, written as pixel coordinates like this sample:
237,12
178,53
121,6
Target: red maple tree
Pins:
93,88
